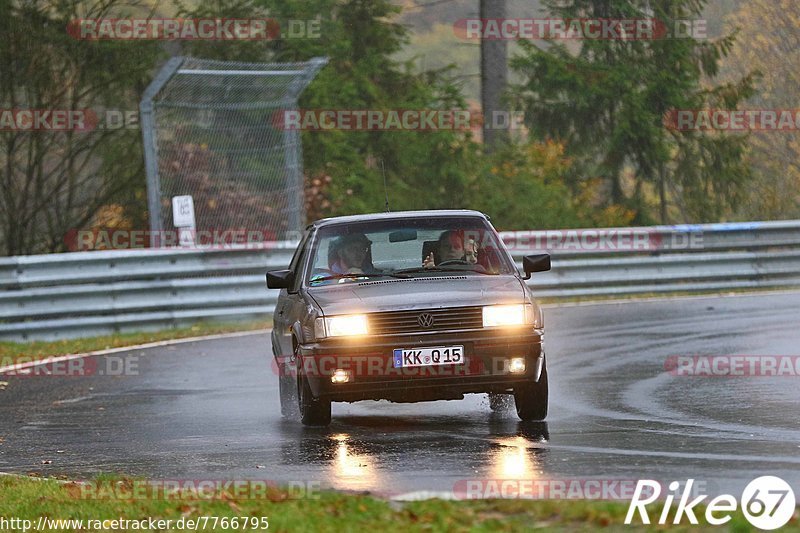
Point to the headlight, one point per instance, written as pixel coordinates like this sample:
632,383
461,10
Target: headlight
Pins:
508,315
340,326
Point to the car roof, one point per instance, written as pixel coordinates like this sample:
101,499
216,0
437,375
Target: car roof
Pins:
397,215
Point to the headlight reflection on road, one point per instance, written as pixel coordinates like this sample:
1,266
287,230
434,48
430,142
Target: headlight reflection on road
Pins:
514,459
353,471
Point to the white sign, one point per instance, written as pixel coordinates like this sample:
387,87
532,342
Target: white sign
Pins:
183,212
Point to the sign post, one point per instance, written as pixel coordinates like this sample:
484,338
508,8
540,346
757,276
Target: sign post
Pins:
183,219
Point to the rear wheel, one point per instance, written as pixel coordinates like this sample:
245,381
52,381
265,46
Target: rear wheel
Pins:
313,411
531,399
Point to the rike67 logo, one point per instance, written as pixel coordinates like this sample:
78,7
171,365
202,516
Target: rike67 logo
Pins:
767,502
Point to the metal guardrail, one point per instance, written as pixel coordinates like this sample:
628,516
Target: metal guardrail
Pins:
91,293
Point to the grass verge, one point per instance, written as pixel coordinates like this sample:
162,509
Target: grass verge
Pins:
28,499
13,351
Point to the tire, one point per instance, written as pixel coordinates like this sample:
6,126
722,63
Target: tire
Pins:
288,393
499,402
531,399
313,411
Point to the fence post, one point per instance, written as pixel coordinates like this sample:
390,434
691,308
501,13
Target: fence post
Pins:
149,140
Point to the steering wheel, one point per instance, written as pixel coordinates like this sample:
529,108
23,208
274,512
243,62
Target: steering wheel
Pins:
454,262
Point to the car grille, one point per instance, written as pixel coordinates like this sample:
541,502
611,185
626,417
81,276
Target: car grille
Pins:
399,322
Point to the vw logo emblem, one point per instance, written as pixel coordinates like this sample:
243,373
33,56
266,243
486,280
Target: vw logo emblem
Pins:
425,320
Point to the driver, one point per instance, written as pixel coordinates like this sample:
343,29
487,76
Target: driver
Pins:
351,253
451,248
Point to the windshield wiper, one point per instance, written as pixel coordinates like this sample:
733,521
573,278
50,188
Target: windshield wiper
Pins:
351,275
443,269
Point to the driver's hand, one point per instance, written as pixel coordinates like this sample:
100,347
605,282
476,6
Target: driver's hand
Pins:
471,252
429,262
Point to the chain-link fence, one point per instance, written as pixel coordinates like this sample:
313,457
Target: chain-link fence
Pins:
211,131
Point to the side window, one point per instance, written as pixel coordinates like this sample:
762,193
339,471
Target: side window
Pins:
297,253
298,260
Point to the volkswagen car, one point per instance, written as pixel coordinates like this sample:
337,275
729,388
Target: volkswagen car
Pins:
407,307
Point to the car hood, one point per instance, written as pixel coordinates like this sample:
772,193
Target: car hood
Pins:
418,293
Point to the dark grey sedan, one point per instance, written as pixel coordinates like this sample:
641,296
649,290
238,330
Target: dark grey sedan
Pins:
407,307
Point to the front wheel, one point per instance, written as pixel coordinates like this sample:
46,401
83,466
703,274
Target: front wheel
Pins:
288,393
313,411
531,399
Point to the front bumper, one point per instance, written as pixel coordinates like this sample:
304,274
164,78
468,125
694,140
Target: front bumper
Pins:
369,365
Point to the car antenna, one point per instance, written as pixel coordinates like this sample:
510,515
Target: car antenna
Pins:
385,188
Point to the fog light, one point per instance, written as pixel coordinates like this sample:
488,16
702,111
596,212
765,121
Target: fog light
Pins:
340,376
517,365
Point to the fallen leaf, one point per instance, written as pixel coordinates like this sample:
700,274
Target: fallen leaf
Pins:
187,510
47,462
74,490
3,385
276,495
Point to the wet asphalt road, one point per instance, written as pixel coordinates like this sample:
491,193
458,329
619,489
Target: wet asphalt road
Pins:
209,410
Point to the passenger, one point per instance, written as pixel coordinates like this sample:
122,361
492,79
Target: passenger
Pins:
451,248
351,253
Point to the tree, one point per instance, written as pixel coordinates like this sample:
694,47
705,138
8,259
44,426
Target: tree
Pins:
229,50
770,43
522,186
494,76
52,182
362,38
606,101
715,14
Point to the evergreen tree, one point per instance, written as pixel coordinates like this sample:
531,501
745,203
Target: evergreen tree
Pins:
606,100
55,181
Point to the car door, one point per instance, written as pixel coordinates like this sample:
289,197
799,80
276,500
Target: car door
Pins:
289,301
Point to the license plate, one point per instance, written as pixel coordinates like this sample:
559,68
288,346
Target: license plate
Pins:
441,355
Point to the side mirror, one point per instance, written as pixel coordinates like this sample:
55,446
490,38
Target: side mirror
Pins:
535,263
280,279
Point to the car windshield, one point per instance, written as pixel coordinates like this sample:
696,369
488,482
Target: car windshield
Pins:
404,248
